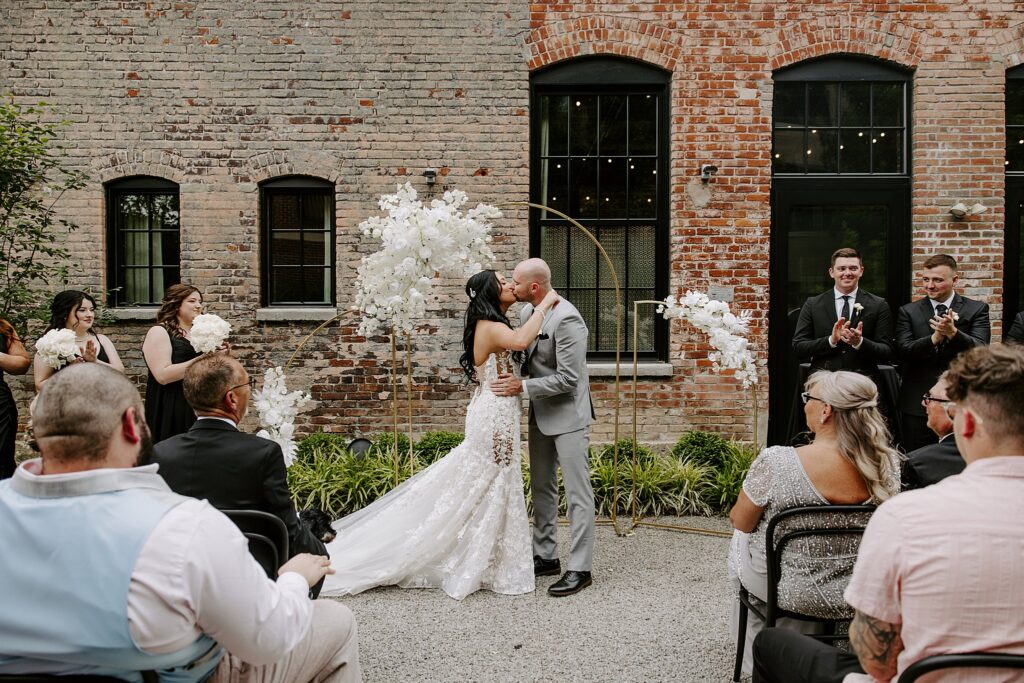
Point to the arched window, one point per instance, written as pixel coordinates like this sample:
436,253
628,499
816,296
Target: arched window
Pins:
1013,283
143,239
297,220
599,153
840,177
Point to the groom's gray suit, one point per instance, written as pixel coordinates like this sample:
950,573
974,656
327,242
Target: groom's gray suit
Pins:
560,417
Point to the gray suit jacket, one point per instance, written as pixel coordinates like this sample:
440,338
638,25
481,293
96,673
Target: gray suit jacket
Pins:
559,386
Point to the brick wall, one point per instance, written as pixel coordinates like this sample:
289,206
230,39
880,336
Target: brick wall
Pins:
218,96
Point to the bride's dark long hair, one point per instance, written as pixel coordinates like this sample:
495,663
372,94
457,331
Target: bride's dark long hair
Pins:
484,292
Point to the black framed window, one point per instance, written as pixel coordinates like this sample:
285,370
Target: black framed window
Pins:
143,239
298,241
840,178
599,153
1013,237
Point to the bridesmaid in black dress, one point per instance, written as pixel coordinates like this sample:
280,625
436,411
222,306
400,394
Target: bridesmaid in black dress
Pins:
14,360
168,353
76,311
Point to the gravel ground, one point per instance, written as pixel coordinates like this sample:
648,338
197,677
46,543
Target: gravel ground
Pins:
658,611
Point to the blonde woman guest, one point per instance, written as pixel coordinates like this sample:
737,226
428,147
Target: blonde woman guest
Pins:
168,352
849,462
14,360
76,311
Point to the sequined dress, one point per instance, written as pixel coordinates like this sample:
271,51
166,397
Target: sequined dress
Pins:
459,525
816,569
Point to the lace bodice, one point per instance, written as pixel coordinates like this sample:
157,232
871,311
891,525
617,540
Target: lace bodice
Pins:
492,422
496,364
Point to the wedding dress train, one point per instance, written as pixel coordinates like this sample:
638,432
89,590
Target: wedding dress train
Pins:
459,525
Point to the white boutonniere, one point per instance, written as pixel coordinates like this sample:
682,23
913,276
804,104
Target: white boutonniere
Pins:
953,314
858,308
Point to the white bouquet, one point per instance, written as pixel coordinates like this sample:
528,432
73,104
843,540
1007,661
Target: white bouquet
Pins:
57,347
208,332
418,243
277,408
726,331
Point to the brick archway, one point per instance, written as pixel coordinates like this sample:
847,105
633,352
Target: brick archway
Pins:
1008,46
267,165
132,162
860,35
603,35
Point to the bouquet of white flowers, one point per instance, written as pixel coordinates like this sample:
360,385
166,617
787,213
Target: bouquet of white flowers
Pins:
277,408
57,347
418,243
208,332
726,331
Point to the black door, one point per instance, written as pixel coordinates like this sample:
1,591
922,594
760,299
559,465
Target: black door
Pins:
1013,264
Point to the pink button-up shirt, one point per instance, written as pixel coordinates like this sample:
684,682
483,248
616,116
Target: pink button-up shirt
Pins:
947,562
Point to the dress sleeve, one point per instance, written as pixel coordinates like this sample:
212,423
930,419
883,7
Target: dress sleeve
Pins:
758,482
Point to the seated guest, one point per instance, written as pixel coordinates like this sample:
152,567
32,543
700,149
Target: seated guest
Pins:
850,462
216,462
930,464
930,332
1016,333
939,570
115,574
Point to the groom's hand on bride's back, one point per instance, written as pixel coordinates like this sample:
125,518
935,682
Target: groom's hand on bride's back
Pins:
507,385
310,567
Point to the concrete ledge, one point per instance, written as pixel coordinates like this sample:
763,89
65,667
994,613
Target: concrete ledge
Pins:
132,313
648,369
296,314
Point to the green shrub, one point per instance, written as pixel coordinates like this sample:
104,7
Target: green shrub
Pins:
321,442
727,480
702,448
383,442
341,483
644,453
435,445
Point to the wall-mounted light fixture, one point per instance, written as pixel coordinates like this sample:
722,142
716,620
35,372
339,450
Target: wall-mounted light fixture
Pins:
960,210
706,171
430,175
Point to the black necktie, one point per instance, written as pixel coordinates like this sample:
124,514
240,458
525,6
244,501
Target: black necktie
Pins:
940,310
845,315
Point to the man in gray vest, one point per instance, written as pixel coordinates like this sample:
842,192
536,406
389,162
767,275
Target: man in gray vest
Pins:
560,417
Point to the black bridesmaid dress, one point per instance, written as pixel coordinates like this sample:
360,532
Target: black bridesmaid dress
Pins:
8,423
167,412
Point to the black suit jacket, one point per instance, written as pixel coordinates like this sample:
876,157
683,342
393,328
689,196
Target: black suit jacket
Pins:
814,327
233,471
921,362
1016,333
932,463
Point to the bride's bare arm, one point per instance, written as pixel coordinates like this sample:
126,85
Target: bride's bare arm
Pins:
499,337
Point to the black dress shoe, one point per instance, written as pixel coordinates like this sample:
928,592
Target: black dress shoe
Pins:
542,567
570,584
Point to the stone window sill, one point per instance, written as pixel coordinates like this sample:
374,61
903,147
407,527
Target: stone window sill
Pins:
648,369
295,314
133,313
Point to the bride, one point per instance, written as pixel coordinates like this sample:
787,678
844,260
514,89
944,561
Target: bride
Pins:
459,525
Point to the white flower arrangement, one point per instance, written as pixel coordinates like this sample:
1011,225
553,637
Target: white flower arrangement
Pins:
57,347
208,332
277,408
418,243
726,331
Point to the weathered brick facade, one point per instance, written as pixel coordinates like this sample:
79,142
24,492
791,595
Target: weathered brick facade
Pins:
219,96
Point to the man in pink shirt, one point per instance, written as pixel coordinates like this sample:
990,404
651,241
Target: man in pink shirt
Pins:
939,570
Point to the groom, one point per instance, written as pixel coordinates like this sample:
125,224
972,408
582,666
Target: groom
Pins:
560,417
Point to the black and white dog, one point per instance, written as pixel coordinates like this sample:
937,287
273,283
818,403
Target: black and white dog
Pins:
319,523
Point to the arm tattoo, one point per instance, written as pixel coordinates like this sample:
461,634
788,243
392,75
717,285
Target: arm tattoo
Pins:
877,644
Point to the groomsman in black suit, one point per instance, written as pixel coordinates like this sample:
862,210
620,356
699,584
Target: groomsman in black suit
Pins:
930,333
932,463
232,470
845,328
1016,333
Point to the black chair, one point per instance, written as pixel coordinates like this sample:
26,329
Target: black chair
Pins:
267,535
147,677
988,660
776,542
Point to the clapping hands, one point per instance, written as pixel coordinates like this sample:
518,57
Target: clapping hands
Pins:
842,331
943,326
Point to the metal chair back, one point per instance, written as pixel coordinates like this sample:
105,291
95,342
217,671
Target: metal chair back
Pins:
267,536
988,660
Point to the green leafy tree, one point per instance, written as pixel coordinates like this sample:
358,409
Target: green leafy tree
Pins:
33,178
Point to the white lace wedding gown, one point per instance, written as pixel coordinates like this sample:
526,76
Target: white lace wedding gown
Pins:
459,525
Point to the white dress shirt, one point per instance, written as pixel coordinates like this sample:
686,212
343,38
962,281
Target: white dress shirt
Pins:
948,303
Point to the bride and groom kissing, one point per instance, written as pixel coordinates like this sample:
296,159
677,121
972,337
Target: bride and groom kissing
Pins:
461,524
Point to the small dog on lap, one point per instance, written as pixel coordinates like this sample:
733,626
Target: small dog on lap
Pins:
318,523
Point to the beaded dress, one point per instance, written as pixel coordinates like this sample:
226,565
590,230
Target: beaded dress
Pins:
459,525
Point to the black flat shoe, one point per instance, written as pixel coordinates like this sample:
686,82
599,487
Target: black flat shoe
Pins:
542,567
570,584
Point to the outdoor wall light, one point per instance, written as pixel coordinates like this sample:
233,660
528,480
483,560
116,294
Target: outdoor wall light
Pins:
960,210
706,171
430,175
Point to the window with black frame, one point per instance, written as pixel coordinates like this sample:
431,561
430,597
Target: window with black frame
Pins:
298,241
1013,282
599,154
144,239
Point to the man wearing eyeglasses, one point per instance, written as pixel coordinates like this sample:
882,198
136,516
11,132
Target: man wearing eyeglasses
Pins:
934,462
232,470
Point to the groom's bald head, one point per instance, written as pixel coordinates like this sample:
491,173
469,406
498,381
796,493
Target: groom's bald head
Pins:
532,280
